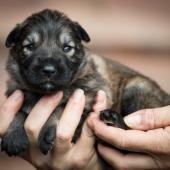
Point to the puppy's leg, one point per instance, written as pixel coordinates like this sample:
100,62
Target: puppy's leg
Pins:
48,134
80,126
141,93
15,139
112,118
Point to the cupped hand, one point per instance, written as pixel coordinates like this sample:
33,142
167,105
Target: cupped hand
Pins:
147,142
65,155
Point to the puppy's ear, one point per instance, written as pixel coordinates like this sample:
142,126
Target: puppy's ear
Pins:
13,36
81,33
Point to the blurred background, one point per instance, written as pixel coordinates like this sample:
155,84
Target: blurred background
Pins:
134,32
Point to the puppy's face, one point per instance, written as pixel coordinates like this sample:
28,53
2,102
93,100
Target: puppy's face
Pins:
47,51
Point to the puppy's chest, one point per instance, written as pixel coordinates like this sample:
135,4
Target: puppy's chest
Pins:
91,84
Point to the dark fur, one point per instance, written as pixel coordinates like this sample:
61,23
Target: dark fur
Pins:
39,66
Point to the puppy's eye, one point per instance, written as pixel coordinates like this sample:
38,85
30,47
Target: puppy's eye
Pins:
29,47
67,48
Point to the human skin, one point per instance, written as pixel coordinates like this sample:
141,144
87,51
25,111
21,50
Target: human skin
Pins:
150,136
148,140
65,155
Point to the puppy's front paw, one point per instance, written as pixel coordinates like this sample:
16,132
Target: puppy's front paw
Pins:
14,141
46,138
112,118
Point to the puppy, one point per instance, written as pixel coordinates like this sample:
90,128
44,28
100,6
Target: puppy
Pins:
47,55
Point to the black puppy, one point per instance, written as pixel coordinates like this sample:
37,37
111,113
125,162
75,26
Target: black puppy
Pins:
47,55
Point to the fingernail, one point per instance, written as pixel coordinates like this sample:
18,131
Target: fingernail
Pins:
102,95
78,94
101,92
16,95
133,120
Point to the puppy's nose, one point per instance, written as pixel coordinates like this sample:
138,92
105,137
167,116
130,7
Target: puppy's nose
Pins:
49,70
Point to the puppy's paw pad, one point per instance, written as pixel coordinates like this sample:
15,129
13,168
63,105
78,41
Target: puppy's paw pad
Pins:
108,116
14,142
112,118
46,139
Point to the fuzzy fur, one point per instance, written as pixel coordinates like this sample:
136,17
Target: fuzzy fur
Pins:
38,42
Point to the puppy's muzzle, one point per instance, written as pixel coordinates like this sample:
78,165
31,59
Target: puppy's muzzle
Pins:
49,70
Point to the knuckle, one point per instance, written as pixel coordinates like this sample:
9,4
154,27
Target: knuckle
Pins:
123,143
61,137
30,129
149,118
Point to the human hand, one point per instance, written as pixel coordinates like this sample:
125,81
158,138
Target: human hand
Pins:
65,155
150,148
8,109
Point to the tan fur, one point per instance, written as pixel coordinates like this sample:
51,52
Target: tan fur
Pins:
117,79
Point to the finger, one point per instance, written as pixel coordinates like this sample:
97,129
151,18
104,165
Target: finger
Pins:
85,150
8,110
133,140
101,101
39,115
149,118
85,145
91,118
129,161
35,157
70,119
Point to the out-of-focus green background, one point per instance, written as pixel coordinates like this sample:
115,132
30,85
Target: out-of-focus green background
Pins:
134,32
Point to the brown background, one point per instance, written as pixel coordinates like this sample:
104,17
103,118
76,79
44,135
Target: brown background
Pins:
134,32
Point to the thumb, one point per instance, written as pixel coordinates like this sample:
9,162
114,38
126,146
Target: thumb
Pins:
149,118
100,101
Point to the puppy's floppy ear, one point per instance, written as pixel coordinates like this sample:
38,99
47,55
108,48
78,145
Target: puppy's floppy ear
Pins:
80,32
13,36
